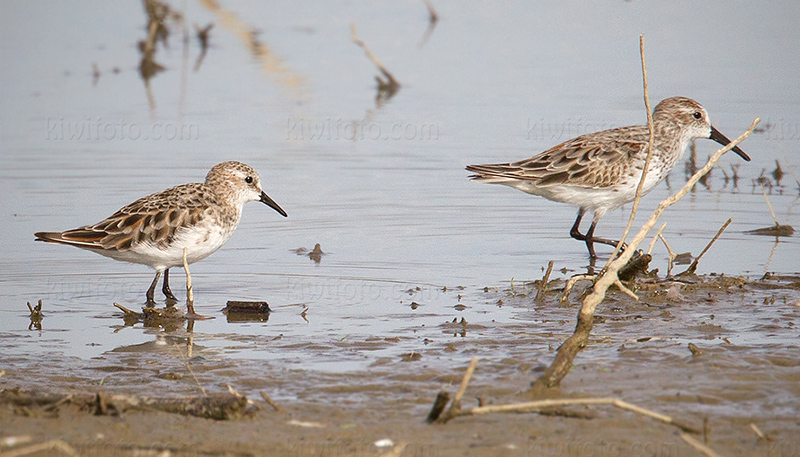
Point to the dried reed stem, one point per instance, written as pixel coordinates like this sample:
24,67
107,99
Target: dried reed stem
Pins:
699,446
650,141
543,285
655,238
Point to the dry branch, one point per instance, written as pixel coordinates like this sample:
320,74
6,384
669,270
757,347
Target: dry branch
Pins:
655,238
272,403
672,255
537,406
570,284
693,267
650,141
699,446
455,406
64,448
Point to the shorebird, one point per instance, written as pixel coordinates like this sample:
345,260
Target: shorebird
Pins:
600,171
155,229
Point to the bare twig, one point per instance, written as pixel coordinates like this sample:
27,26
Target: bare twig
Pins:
672,254
465,381
693,267
791,172
41,447
764,192
699,446
272,403
541,404
455,406
655,238
650,141
537,406
543,285
128,312
627,291
570,284
761,435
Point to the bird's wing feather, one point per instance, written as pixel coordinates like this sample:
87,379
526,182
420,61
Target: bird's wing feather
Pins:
153,219
575,161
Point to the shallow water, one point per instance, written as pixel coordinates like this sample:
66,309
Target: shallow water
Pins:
381,186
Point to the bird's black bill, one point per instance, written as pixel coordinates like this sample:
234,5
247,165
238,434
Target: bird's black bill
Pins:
271,203
723,140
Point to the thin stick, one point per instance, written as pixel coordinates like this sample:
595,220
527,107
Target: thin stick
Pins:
186,362
46,446
272,403
791,172
672,254
541,404
699,446
764,192
455,406
543,285
570,284
655,238
650,141
353,36
693,267
627,291
761,435
465,381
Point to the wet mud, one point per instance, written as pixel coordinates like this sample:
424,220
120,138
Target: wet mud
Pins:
717,352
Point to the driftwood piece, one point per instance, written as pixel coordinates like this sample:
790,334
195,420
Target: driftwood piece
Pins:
540,406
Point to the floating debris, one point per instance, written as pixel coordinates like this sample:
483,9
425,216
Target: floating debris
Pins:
314,254
411,357
168,317
247,311
36,316
775,230
695,350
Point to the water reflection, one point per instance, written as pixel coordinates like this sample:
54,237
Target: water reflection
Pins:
271,64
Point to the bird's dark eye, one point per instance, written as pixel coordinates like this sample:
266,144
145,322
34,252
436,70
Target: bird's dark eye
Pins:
697,115
248,180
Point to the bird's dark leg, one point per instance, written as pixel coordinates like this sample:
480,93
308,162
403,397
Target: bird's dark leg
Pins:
575,233
152,290
590,236
166,290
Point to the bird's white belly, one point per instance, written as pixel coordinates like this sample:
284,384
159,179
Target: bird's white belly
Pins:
201,241
594,199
